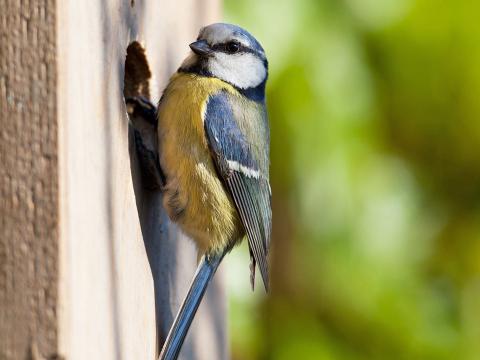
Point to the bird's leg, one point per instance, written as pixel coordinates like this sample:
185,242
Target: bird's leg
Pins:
142,114
205,271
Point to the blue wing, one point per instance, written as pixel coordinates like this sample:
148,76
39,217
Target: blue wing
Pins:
242,163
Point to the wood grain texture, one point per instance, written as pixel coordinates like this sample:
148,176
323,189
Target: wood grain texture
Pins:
28,179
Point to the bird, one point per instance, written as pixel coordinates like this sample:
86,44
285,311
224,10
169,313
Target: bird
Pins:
214,152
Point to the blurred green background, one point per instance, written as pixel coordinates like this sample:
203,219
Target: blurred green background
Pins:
375,119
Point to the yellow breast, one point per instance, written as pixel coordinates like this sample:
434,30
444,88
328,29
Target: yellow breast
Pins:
194,196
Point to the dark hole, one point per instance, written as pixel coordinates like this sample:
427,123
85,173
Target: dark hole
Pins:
143,161
137,72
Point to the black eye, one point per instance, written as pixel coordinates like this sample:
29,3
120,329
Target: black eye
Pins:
232,47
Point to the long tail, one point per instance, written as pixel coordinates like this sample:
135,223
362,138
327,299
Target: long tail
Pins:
207,267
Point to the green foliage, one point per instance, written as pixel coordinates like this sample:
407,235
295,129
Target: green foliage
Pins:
375,121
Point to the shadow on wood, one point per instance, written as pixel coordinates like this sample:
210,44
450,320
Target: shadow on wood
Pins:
164,244
148,179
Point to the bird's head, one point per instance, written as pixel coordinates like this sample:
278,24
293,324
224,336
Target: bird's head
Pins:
229,53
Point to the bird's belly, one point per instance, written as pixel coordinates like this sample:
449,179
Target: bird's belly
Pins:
196,199
194,195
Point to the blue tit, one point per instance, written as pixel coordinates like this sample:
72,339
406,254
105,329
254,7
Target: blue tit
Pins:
214,141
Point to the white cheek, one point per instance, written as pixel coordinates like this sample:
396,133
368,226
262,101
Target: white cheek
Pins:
243,70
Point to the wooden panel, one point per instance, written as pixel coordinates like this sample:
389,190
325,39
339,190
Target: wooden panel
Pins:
28,179
90,266
115,235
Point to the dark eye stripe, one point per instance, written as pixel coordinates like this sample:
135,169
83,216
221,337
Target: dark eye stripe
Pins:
241,49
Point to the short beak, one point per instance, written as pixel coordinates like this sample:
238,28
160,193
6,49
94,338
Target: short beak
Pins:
200,47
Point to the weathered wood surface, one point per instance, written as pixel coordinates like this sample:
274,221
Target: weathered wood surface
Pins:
29,185
89,264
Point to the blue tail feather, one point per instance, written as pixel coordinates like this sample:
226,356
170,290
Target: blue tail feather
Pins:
205,271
